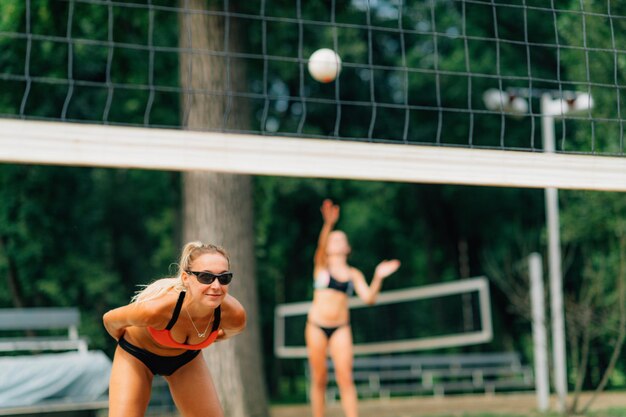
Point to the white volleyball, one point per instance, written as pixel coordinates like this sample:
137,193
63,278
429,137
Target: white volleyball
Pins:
324,65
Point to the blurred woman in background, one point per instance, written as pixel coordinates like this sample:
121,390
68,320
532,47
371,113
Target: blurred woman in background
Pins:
328,322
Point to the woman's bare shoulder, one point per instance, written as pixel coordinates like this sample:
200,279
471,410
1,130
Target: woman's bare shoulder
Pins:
158,311
356,273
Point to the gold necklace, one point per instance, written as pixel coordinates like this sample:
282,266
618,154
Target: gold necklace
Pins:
194,325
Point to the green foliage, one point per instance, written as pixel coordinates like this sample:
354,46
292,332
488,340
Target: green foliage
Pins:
598,70
109,83
594,223
419,224
86,237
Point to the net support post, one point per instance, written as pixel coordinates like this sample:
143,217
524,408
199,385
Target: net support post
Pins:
548,112
540,338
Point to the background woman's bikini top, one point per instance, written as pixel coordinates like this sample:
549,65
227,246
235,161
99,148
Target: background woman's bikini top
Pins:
325,280
164,337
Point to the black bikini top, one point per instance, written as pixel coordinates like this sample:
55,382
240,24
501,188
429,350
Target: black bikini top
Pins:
326,281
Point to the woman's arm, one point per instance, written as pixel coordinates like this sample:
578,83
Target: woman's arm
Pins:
368,293
233,320
330,214
143,314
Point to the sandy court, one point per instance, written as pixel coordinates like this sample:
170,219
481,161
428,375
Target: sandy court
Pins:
457,405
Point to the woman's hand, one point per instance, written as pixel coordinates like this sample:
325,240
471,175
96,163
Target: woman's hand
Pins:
233,318
330,212
386,268
223,334
116,332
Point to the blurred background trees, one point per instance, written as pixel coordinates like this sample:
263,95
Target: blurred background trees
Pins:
89,236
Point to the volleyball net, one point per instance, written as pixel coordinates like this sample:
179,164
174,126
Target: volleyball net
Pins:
443,91
449,80
420,318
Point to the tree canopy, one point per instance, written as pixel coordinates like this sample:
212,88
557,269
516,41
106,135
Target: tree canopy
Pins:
87,237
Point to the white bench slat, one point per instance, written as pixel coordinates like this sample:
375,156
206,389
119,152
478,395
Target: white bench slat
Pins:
41,318
426,361
50,407
443,373
38,318
18,345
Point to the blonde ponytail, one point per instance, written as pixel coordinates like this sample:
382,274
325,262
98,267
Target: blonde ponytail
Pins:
191,251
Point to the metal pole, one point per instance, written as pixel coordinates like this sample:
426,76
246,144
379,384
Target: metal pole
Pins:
554,265
540,337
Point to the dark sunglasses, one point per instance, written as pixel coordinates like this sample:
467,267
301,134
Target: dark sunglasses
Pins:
208,278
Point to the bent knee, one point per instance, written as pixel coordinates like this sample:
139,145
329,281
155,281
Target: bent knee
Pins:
344,379
319,379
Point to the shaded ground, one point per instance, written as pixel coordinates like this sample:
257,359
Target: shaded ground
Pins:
458,405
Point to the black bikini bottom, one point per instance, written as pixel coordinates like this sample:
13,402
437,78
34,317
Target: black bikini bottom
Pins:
328,331
158,365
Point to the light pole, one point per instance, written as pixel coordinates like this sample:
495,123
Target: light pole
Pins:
567,102
540,338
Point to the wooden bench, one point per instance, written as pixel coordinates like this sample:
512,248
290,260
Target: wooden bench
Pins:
29,321
48,336
383,376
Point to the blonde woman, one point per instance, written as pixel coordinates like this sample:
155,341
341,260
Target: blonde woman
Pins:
328,322
163,330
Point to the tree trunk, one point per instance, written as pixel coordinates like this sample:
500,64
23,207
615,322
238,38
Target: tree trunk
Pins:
621,336
218,208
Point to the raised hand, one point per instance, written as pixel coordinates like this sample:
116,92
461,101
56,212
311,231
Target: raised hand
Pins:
386,268
330,212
